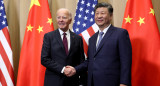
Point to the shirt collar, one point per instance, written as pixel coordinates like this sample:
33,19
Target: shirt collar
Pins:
106,29
61,32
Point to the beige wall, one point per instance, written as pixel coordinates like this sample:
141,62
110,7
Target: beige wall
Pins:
17,14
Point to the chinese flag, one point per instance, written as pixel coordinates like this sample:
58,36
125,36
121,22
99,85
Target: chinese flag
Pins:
31,72
139,20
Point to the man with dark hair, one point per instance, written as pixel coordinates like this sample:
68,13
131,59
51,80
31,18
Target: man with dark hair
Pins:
109,52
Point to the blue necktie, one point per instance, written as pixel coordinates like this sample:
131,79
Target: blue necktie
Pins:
100,38
65,43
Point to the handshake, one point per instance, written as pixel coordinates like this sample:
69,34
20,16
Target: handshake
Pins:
69,71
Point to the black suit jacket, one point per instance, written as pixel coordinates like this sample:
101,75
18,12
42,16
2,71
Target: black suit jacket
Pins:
110,64
54,58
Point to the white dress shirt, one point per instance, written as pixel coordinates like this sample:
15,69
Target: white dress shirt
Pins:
67,36
104,31
68,40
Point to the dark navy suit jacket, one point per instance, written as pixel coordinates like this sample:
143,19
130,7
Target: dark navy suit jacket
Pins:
110,64
54,58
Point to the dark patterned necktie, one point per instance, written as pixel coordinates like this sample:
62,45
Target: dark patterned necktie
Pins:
65,43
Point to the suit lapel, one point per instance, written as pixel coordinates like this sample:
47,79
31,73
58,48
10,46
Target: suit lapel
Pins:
108,33
94,42
72,41
59,39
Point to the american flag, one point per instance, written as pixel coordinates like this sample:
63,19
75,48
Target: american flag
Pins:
84,24
6,59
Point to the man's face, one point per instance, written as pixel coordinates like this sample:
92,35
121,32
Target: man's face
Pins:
102,17
63,19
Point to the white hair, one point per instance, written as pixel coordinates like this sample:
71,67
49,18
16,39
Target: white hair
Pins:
70,14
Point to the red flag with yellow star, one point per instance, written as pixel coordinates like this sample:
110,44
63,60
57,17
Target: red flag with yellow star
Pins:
139,20
30,71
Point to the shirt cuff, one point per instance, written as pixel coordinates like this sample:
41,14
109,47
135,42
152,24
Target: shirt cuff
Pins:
62,70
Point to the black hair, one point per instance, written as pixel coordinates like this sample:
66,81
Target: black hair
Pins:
106,5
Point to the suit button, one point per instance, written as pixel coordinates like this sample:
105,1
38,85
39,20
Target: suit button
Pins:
94,58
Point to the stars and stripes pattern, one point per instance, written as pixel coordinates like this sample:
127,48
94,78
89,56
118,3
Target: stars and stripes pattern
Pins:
6,58
84,24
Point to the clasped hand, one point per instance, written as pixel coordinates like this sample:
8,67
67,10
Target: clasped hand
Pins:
69,71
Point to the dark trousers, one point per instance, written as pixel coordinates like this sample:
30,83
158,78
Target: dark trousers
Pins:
92,82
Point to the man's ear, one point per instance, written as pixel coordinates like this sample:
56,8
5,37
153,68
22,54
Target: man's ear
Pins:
70,21
111,17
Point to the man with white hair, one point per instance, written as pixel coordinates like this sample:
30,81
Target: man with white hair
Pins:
61,48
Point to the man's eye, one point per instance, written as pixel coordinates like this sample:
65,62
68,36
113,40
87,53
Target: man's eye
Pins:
64,17
58,17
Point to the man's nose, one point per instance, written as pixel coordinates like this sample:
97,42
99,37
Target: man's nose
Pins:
61,19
